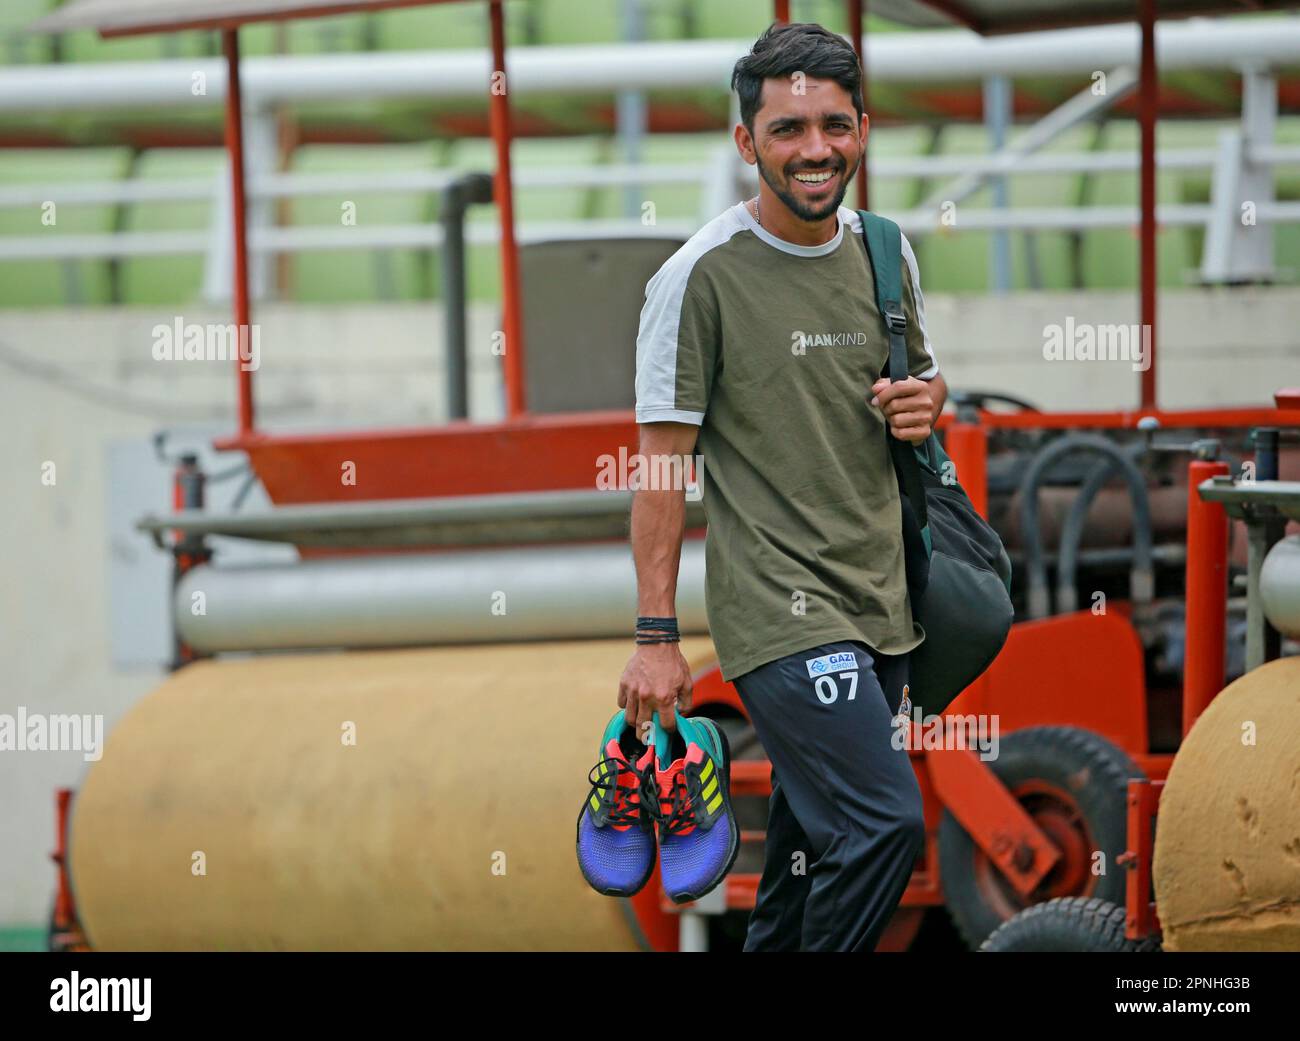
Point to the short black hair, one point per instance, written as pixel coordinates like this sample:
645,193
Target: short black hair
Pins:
785,49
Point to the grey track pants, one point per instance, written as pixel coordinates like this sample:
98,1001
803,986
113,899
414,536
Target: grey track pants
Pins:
844,823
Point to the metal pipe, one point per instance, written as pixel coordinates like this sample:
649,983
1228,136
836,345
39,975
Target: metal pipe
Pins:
189,486
510,518
1263,641
631,111
503,190
475,596
456,199
239,220
997,117
1207,593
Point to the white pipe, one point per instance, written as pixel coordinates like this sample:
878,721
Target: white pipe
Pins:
472,596
607,68
294,186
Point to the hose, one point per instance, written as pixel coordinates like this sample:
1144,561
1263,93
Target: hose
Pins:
1141,584
1142,574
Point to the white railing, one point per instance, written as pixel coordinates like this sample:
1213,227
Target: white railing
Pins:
273,240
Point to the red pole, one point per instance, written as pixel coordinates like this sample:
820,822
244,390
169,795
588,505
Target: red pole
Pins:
63,906
783,11
235,148
1207,594
856,13
502,189
1147,108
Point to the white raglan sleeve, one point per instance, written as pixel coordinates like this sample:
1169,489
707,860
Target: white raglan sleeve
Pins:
676,348
920,351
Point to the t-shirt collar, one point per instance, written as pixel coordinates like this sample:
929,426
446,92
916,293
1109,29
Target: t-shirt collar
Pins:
789,247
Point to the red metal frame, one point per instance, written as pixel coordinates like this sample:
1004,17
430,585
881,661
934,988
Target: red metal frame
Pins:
308,9
239,219
1147,110
66,933
1207,594
503,191
857,11
1141,919
536,452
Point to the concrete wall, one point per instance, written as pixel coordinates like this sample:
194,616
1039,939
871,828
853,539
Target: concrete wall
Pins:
82,390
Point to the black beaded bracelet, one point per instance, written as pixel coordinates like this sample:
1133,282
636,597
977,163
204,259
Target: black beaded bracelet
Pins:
640,639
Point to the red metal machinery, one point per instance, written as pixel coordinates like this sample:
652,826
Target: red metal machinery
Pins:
1027,685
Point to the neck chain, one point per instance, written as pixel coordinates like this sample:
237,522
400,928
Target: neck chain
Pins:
757,218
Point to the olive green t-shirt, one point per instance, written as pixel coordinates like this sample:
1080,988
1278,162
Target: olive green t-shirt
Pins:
771,348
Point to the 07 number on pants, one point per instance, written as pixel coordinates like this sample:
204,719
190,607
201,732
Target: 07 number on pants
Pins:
828,690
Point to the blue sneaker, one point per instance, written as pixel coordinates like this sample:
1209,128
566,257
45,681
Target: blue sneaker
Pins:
698,836
616,838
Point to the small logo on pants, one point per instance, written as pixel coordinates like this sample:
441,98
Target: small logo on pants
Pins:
841,662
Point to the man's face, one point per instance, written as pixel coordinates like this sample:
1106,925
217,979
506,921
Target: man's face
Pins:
805,129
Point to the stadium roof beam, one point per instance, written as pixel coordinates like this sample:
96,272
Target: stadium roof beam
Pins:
992,17
136,17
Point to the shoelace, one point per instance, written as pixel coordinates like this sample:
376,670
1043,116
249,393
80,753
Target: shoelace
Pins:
681,816
625,811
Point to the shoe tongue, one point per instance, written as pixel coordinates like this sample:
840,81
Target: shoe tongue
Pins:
671,755
681,756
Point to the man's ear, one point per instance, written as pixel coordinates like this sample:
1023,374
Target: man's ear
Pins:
745,144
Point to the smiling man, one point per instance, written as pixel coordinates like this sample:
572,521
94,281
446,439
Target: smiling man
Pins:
761,343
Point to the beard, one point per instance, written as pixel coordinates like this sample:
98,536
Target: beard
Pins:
799,206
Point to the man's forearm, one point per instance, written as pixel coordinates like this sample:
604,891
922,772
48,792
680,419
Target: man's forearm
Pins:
658,524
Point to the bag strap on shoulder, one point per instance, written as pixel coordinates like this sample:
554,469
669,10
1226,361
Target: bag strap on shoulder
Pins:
885,247
884,241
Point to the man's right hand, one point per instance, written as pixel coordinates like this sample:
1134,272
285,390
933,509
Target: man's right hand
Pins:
657,679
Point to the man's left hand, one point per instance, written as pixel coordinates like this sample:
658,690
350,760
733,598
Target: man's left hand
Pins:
908,406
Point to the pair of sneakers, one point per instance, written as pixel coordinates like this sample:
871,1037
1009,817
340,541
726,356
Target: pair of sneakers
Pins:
675,788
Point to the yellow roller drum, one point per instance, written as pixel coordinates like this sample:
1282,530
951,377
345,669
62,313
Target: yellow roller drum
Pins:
232,811
1227,853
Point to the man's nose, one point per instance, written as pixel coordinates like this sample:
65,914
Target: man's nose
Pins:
817,149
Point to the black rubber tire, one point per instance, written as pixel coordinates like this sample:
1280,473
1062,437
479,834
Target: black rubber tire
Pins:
1068,923
1093,771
